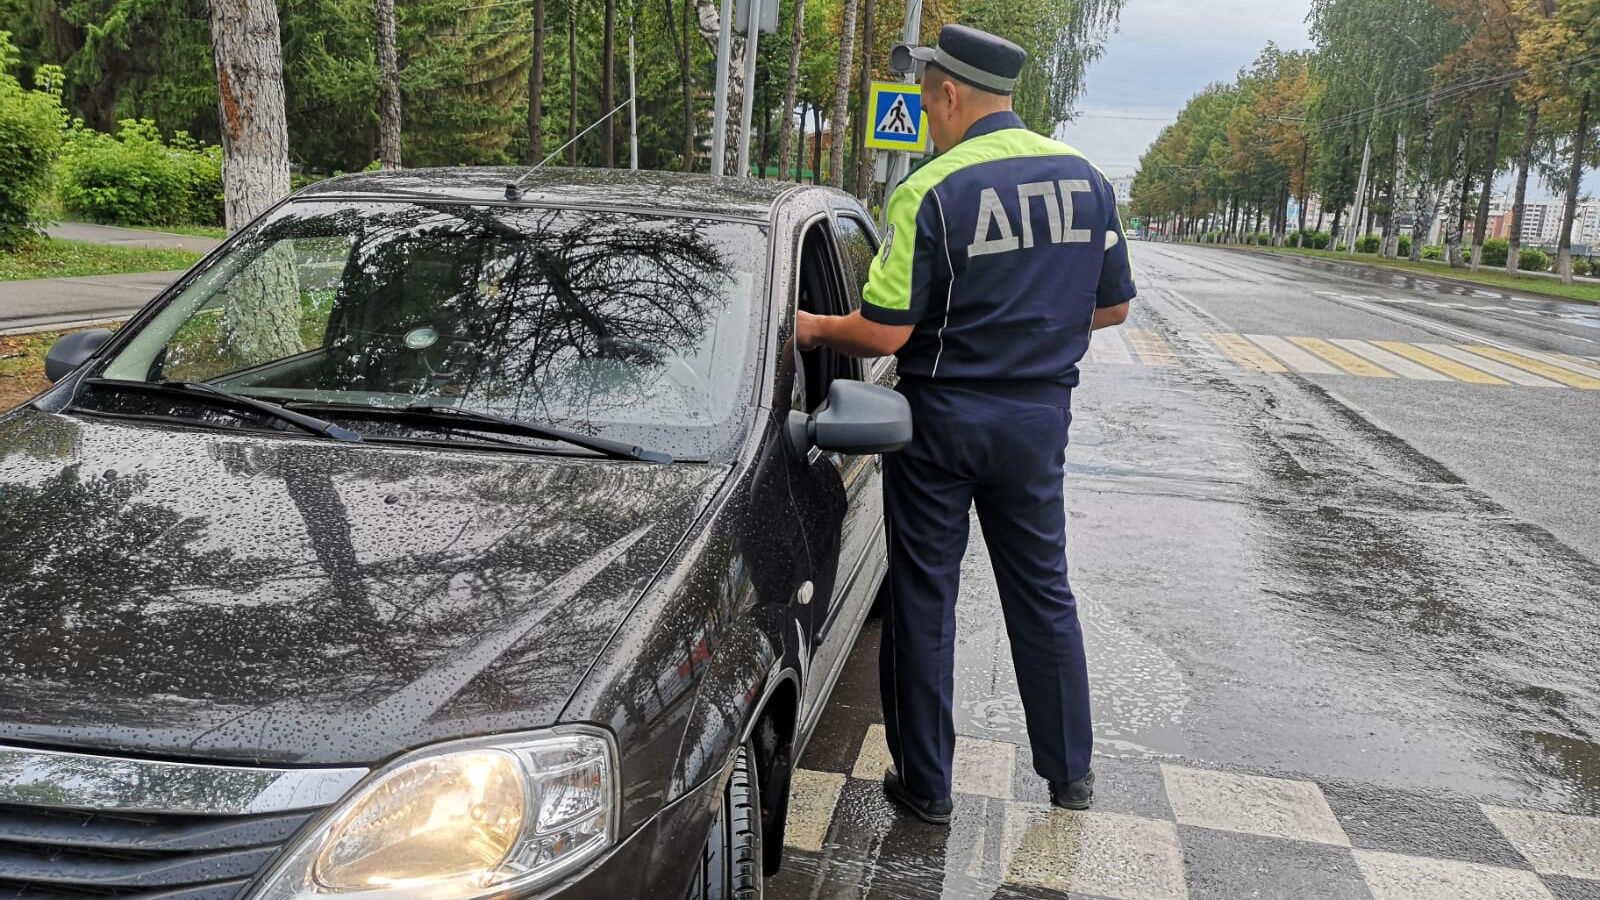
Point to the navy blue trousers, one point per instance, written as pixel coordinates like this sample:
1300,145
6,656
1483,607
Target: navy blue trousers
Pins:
1007,456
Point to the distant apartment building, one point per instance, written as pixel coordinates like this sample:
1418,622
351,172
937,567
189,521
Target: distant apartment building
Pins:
1541,223
1124,188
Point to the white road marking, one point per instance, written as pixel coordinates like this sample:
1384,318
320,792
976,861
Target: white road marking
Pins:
1110,345
1292,356
1391,361
1482,363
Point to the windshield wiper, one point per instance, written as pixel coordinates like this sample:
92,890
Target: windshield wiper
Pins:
471,418
613,449
265,407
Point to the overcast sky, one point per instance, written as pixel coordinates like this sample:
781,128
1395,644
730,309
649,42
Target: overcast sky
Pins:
1165,52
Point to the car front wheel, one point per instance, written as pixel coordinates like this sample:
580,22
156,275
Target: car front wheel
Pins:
730,864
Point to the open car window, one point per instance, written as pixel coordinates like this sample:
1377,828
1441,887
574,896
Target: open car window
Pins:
629,326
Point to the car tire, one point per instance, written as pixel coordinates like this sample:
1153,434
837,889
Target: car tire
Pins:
730,864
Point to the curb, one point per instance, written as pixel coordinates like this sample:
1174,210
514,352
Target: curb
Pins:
61,326
1445,279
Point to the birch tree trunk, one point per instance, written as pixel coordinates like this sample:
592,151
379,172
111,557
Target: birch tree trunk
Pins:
791,84
1423,212
1480,220
1453,212
1391,233
536,89
710,13
388,87
841,94
1580,141
1524,160
262,314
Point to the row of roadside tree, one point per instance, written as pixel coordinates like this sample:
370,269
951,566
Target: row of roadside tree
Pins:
1404,111
323,86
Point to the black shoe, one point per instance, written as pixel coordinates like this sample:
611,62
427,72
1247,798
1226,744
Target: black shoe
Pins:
1073,794
934,811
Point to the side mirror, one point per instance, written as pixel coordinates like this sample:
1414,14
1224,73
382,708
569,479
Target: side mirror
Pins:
858,418
72,350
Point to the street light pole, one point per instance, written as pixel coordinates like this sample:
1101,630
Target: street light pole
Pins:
900,161
633,99
752,34
719,116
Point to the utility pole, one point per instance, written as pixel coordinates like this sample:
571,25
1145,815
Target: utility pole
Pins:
900,161
719,115
1361,193
752,33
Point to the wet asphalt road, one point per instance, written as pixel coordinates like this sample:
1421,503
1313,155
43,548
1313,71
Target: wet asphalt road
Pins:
1344,629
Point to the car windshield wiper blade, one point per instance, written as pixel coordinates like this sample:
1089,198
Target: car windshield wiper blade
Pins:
266,407
614,449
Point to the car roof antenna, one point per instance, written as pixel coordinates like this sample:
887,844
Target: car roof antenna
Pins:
514,189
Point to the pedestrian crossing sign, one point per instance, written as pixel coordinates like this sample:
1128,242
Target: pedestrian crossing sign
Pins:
897,119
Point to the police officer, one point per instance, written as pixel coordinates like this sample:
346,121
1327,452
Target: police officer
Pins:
1000,256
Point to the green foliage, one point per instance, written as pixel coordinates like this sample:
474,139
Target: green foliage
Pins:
1433,251
1311,240
1368,243
1532,260
1405,245
1495,252
30,131
134,178
1581,266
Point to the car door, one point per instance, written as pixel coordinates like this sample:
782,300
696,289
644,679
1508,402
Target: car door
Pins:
839,495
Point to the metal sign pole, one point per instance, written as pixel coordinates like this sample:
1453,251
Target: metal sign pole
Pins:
719,117
900,162
752,33
633,100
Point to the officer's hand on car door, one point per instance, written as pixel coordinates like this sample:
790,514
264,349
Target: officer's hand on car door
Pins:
807,331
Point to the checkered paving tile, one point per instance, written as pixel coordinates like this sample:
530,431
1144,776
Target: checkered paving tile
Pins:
1170,832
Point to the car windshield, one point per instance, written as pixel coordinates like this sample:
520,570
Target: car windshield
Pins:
635,327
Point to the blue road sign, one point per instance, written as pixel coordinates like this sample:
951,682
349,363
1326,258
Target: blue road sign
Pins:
897,119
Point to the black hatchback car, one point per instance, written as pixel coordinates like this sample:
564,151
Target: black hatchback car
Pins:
434,541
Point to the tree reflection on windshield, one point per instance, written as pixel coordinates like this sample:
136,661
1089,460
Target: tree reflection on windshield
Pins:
588,319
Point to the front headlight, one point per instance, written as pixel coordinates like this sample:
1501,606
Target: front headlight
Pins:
461,821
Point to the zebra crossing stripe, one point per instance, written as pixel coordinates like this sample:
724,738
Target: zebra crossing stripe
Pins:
1109,346
1152,350
1391,361
1342,358
1439,363
1588,362
1556,359
1292,356
1499,370
1554,373
1246,354
812,799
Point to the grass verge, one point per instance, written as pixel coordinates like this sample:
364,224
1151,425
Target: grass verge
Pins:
1586,293
51,258
22,366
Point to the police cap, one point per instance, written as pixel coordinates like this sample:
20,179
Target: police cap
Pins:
981,59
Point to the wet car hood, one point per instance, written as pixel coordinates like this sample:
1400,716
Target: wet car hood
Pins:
227,596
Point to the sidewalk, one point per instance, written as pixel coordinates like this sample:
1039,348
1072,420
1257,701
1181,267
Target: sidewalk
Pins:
129,237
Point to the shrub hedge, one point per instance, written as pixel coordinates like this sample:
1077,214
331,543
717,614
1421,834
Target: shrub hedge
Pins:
134,178
30,132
